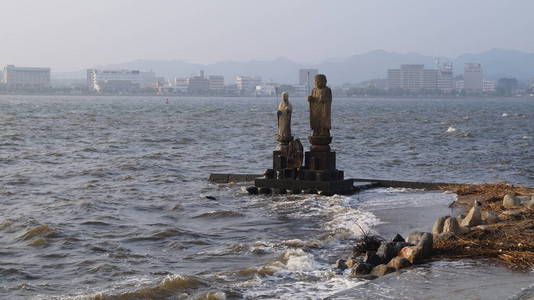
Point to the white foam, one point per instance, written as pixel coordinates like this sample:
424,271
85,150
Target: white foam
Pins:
451,129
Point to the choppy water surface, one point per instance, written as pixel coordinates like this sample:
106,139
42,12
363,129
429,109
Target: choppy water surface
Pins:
105,198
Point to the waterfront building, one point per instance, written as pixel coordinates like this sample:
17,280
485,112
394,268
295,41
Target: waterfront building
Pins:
473,77
24,78
198,85
216,84
307,79
247,84
119,81
268,89
459,85
489,86
413,77
180,84
445,77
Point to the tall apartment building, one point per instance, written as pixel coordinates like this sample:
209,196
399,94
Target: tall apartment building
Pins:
473,77
413,77
307,79
216,84
247,84
26,78
445,77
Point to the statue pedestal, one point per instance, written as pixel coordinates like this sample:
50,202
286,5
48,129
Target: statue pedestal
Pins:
319,173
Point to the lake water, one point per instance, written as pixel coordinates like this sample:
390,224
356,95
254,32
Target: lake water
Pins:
105,197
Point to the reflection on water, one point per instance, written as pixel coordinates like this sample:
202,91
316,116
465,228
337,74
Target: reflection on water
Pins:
105,197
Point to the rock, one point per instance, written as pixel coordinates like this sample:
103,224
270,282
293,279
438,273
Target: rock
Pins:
445,236
351,262
438,225
386,252
398,238
399,246
382,270
530,204
488,213
482,227
510,213
296,191
265,191
341,264
510,200
361,269
398,263
252,190
451,226
464,229
492,220
413,254
473,218
426,243
414,237
372,258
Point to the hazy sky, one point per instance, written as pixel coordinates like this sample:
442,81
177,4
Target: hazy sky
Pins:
70,35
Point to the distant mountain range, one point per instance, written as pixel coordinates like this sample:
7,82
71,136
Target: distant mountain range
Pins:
496,63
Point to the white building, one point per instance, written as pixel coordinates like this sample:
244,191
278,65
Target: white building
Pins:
459,85
473,77
268,89
445,78
307,79
180,83
247,84
489,86
216,84
114,80
26,78
413,77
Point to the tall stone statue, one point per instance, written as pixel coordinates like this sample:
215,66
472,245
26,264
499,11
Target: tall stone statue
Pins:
284,122
320,107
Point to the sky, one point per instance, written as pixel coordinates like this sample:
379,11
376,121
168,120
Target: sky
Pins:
70,35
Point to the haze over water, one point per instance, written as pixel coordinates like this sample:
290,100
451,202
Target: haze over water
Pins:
107,196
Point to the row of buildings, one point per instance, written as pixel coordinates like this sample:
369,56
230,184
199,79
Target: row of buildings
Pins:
414,77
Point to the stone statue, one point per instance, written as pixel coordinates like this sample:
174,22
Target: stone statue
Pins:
284,121
320,107
295,154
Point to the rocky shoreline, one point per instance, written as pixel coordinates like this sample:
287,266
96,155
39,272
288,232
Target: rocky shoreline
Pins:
499,224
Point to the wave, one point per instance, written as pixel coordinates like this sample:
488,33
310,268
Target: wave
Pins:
172,287
219,214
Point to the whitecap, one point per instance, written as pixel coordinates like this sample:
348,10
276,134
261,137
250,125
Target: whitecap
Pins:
451,129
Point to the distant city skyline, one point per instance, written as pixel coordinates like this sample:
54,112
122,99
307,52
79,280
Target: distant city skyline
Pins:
73,35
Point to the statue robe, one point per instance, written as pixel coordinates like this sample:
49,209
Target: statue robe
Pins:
284,121
320,111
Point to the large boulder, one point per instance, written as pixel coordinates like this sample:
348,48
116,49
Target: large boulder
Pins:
398,263
398,239
438,225
426,243
361,269
382,270
341,264
413,254
386,252
510,201
372,258
414,237
451,226
473,218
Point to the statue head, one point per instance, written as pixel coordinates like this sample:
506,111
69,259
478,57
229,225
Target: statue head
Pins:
320,81
285,96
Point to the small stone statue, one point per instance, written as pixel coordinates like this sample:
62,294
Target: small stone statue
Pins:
320,107
284,122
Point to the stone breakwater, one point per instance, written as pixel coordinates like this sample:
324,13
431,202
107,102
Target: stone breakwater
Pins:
499,224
